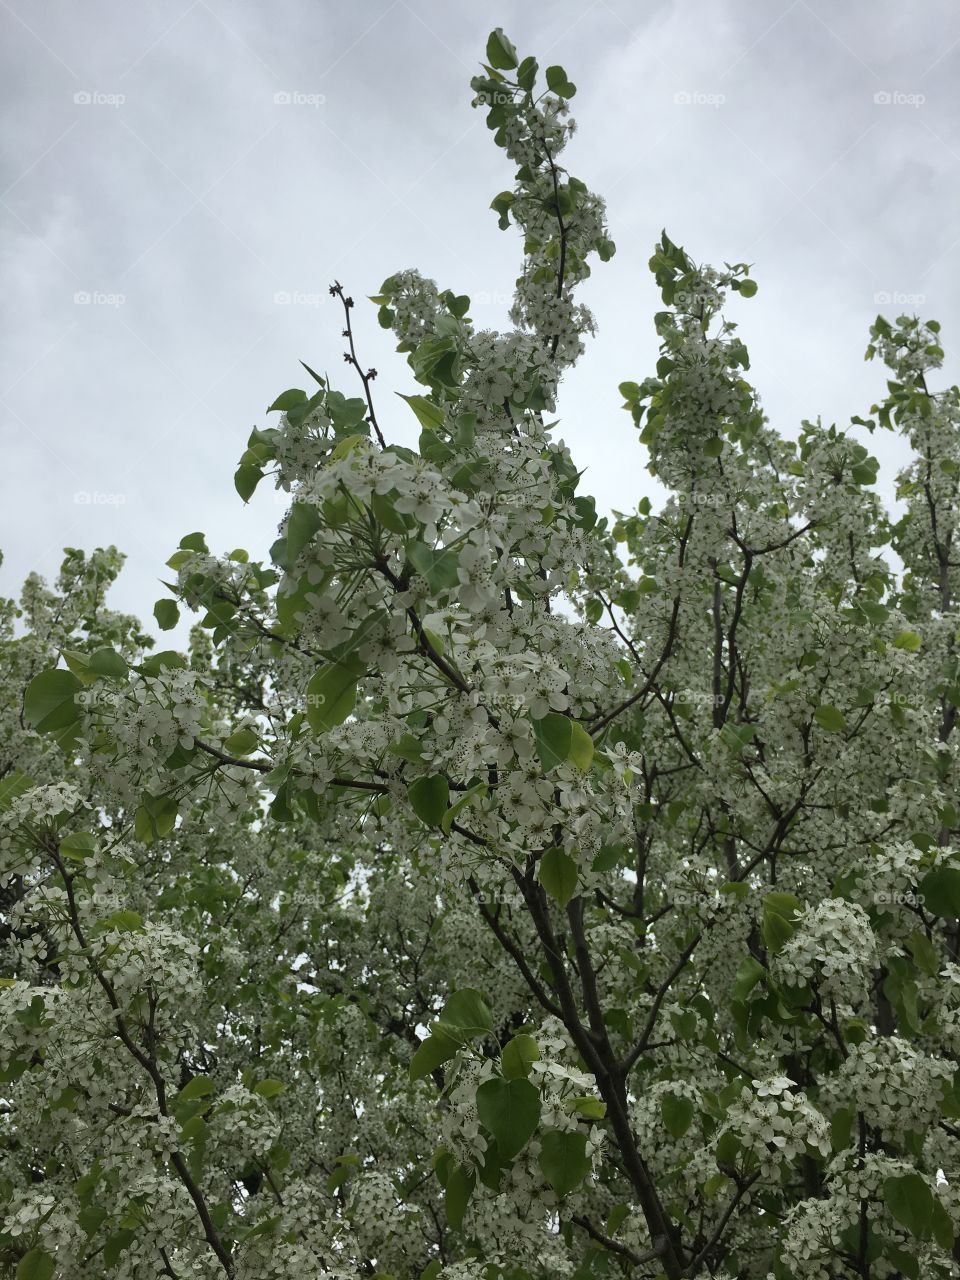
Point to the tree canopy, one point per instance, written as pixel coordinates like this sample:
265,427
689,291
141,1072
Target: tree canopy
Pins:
495,889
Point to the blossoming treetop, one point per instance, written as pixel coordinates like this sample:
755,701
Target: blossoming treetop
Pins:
491,892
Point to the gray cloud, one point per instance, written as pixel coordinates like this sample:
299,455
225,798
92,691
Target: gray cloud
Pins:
185,199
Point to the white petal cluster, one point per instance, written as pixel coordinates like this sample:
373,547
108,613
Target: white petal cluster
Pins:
833,948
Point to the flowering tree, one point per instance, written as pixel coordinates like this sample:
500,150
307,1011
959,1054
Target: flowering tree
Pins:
492,892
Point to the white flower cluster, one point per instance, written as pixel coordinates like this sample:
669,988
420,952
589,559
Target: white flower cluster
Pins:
648,1121
156,956
833,948
889,878
777,1123
896,1086
415,302
384,1226
244,1123
702,388
815,1227
41,805
911,347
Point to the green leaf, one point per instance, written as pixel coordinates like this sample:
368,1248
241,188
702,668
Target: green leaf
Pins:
109,663
287,399
527,74
91,1218
48,703
747,288
841,1128
779,910
558,875
558,83
510,1109
332,694
347,445
519,1056
116,1244
559,738
941,892
241,743
466,1015
197,1087
749,973
248,476
446,823
167,614
13,785
677,1114
268,1088
439,567
909,641
155,818
35,1265
502,204
387,514
195,1131
922,949
591,1108
429,415
303,523
432,1053
564,1160
164,660
684,1023
910,1201
830,719
942,1226
219,614
456,1195
728,1149
407,748
737,736
875,611
500,52
428,798
904,1262
123,921
78,846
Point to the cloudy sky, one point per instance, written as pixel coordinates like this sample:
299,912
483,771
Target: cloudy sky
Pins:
184,178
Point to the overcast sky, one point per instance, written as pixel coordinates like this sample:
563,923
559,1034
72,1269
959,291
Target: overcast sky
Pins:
183,179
